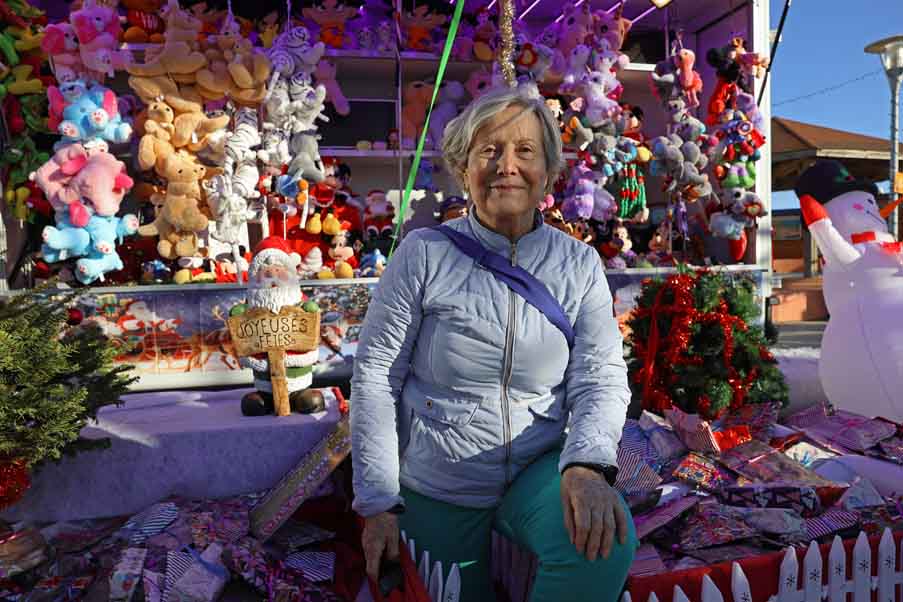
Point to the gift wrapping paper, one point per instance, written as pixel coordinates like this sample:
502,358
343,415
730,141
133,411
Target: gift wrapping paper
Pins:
204,580
301,482
802,499
128,572
712,525
703,472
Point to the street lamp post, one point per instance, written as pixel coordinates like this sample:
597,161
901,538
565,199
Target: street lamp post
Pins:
890,51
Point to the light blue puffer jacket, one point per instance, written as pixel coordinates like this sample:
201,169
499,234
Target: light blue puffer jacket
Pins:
459,383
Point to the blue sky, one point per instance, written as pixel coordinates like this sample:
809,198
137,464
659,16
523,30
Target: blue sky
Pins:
822,47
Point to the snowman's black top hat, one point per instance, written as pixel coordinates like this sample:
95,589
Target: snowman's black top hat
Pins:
828,179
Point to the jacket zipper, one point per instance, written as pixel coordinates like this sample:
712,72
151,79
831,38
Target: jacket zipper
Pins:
508,362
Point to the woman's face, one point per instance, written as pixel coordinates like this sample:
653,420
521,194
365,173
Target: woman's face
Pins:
506,172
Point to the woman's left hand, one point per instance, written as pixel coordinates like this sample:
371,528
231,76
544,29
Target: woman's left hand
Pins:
593,513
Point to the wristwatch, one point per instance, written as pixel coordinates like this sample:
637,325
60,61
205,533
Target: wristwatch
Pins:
606,470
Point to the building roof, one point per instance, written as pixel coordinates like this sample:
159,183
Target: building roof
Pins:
797,145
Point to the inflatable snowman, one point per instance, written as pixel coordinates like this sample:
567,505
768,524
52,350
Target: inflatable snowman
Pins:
861,364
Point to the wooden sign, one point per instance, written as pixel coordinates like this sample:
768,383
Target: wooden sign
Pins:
898,183
261,331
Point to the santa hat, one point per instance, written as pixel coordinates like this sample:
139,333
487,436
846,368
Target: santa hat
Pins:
273,250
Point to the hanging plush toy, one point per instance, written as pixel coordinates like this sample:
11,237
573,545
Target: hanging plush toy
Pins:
86,205
751,63
690,81
98,30
737,121
728,72
325,75
61,42
87,114
145,24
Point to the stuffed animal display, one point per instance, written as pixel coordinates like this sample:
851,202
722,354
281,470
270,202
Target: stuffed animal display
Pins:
223,120
708,166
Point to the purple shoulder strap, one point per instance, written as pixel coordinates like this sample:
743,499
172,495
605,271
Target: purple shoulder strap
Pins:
516,278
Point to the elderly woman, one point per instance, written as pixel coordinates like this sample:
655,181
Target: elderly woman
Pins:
471,410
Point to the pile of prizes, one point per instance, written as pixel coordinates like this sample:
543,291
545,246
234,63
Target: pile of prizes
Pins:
219,133
177,550
756,480
701,492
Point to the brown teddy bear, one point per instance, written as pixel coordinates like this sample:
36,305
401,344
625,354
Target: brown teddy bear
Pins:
234,68
156,142
177,225
417,96
179,56
179,219
191,127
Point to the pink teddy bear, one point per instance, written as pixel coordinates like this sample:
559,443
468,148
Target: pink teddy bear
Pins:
61,42
98,31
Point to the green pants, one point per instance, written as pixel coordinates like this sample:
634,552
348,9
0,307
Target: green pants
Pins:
530,515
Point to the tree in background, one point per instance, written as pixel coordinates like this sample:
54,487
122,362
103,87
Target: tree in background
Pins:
694,345
54,376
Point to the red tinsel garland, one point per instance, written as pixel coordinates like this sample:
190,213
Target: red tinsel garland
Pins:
657,372
14,481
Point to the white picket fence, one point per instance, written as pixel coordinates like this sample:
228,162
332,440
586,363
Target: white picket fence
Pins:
815,587
516,569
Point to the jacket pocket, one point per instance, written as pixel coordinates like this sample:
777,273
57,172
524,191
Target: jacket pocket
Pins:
453,412
550,407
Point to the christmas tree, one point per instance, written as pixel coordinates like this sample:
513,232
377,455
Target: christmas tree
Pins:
54,376
693,345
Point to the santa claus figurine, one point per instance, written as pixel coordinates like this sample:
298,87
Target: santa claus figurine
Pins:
273,283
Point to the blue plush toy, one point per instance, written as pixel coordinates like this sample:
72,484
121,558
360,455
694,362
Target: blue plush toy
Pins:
94,266
65,240
424,178
107,232
97,240
373,264
91,114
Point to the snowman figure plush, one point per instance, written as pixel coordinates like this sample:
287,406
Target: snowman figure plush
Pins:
861,362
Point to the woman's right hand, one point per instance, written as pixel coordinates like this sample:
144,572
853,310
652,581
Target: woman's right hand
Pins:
380,538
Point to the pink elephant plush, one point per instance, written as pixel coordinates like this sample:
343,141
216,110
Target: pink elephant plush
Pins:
75,173
55,176
103,181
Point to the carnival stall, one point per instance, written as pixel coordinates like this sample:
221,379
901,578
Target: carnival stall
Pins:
311,131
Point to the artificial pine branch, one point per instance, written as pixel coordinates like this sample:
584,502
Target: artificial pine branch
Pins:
53,377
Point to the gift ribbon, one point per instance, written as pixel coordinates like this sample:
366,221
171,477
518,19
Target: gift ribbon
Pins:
732,437
216,569
415,165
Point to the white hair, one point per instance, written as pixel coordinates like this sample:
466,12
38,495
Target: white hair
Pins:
460,131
